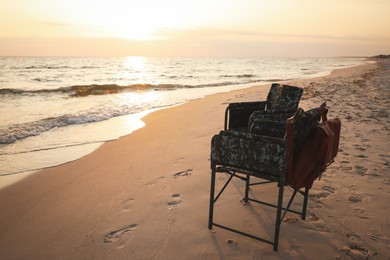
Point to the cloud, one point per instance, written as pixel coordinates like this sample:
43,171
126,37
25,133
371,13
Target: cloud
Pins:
242,35
200,42
217,42
55,24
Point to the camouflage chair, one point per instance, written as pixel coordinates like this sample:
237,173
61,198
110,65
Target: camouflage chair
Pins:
265,117
245,155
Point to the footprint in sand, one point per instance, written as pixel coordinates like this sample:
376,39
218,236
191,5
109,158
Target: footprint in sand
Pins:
122,234
385,159
360,147
374,173
153,182
178,160
315,206
361,170
312,217
187,172
381,239
324,194
345,166
354,238
318,227
290,219
384,156
176,196
127,204
328,188
355,251
320,195
355,198
174,202
360,213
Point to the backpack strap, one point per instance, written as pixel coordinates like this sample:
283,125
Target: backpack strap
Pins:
323,112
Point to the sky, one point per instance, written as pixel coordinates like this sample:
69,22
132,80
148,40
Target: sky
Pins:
229,28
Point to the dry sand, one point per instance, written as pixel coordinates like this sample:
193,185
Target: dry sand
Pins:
146,195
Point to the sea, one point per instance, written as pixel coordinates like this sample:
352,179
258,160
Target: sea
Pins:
57,109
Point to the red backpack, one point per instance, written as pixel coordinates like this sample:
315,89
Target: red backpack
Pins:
315,153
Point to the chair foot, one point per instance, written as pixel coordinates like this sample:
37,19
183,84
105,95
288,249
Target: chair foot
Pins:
305,201
247,184
212,194
278,215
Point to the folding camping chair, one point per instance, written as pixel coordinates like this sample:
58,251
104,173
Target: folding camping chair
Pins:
282,102
255,143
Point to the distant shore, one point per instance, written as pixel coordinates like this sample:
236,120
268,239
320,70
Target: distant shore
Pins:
146,195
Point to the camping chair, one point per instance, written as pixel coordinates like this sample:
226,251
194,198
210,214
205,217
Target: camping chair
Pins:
243,150
282,102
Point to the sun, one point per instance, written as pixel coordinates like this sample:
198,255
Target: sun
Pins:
136,20
131,19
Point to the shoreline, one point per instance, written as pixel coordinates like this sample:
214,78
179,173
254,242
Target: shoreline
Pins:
134,122
145,195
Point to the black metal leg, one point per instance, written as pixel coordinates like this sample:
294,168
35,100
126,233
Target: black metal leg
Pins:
288,205
279,207
247,182
305,200
278,215
212,191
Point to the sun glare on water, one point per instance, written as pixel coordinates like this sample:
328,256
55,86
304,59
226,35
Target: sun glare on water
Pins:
135,63
136,67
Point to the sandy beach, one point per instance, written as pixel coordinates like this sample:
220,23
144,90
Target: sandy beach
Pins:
146,195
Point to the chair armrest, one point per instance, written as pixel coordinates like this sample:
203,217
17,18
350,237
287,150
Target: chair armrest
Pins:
269,123
237,114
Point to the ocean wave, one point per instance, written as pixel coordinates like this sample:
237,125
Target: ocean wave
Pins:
86,90
53,67
17,132
105,89
45,80
238,76
46,67
89,67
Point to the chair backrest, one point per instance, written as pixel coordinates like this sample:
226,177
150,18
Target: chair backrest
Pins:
283,98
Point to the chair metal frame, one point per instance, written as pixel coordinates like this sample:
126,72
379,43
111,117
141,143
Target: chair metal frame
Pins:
245,175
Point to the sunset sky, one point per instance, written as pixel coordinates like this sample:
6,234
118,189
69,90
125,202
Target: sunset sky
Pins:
194,27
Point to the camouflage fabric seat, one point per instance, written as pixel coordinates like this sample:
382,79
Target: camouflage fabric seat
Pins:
282,102
247,154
